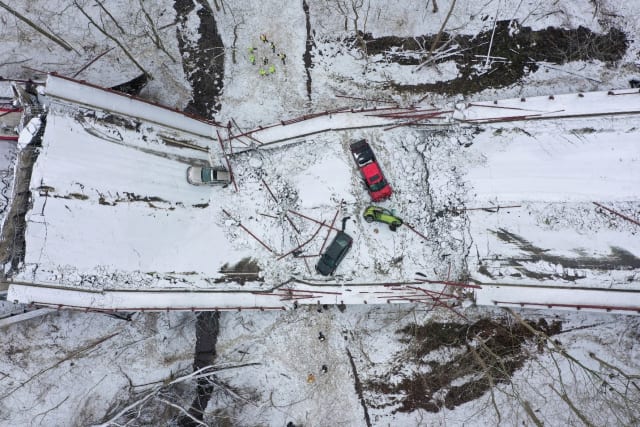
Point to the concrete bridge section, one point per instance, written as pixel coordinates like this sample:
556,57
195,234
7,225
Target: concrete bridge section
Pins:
305,293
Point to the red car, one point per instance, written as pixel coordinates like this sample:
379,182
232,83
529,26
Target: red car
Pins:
378,187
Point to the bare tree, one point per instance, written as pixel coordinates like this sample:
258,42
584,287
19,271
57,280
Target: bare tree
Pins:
102,29
438,37
58,40
166,394
152,31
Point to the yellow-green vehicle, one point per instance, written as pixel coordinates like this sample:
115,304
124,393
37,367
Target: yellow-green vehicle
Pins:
375,213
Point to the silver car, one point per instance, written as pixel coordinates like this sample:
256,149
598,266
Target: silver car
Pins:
207,175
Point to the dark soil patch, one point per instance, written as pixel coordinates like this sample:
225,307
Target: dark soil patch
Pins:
306,57
358,385
619,259
245,270
516,51
207,329
129,198
118,121
202,61
132,197
485,352
133,86
77,196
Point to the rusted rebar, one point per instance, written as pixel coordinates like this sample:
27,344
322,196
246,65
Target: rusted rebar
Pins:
329,231
382,101
431,293
275,199
229,140
273,196
247,134
415,231
471,104
450,283
302,245
311,219
306,263
495,209
617,213
250,233
267,215
408,113
418,120
233,179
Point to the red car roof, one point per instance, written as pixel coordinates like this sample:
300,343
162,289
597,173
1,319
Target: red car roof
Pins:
370,170
373,175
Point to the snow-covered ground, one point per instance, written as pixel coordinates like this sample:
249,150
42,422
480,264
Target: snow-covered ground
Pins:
64,369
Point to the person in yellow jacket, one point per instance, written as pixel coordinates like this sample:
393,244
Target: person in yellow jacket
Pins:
272,69
262,72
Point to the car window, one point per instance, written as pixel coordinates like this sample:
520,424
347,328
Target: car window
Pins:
378,186
206,174
328,260
342,242
365,156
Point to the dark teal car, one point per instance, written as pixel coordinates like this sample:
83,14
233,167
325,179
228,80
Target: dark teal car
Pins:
334,253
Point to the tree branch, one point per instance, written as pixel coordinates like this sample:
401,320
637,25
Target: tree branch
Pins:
116,41
30,23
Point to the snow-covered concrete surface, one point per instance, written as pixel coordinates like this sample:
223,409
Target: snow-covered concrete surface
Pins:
95,97
626,101
504,295
572,161
280,298
562,298
350,119
120,192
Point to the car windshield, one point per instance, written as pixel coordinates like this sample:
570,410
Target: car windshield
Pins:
341,242
374,178
378,185
365,157
328,260
206,174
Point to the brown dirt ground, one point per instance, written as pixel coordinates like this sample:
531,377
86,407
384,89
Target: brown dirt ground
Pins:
520,49
488,351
